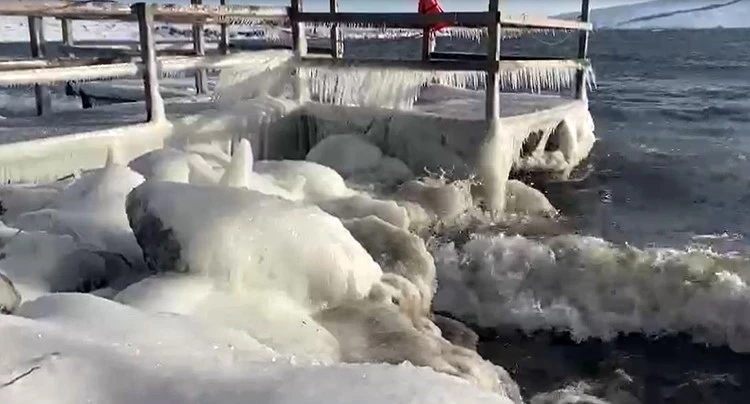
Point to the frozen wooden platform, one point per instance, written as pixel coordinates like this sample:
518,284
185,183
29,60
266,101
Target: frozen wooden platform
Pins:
83,121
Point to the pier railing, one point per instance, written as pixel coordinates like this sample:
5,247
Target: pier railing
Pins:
41,71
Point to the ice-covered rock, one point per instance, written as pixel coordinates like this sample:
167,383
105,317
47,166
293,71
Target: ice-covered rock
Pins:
525,200
361,205
347,154
370,331
359,161
316,182
456,332
446,201
399,252
250,241
177,166
92,211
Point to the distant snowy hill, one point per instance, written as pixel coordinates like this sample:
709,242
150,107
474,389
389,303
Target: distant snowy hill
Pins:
673,14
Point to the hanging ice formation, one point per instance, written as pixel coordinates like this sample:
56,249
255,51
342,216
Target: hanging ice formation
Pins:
364,86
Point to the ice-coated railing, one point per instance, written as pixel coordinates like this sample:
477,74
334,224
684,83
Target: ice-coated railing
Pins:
491,23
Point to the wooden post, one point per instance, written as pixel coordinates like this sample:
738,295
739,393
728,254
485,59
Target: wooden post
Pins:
145,16
199,46
583,50
299,45
67,33
492,102
224,39
68,42
36,41
337,41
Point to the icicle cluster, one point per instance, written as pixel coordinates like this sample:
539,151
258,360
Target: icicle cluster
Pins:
265,72
537,76
400,88
375,31
377,87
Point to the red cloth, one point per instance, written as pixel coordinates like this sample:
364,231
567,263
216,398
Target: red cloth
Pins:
431,7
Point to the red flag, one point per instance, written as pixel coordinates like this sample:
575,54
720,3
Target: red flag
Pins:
431,7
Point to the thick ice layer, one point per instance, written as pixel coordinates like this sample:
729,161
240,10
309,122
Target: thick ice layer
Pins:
79,348
445,129
595,289
91,211
270,317
72,235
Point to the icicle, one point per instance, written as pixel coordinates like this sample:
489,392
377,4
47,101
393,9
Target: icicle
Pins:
237,174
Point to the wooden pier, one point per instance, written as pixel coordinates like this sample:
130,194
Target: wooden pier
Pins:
149,61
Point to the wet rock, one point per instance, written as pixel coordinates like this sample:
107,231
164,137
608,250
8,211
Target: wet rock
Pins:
456,332
9,296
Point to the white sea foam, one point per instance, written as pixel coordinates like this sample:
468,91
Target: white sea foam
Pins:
594,289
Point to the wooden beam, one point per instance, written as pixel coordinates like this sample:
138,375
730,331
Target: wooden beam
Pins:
398,20
397,64
492,92
163,13
224,38
36,41
535,22
199,47
337,40
145,16
464,19
482,56
13,65
61,74
583,50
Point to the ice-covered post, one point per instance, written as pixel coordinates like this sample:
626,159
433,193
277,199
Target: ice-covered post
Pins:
36,41
299,45
492,102
583,50
337,41
199,47
154,105
67,38
224,38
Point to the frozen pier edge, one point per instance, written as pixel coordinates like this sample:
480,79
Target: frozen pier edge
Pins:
434,110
